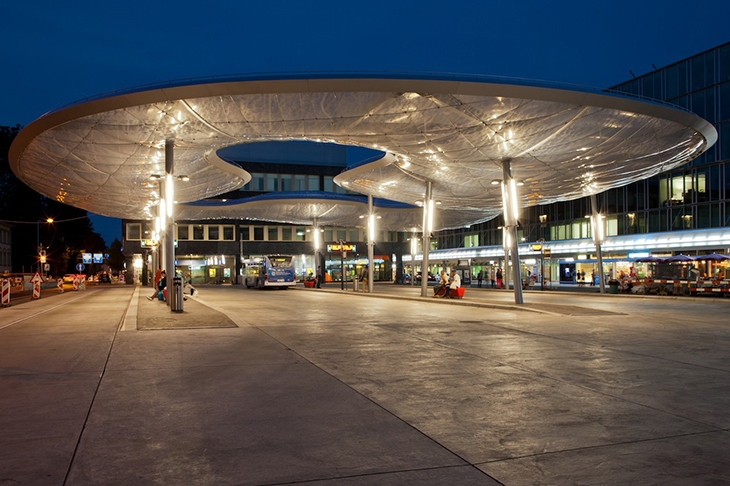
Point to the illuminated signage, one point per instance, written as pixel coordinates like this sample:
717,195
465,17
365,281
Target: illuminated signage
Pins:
337,247
536,247
98,258
86,257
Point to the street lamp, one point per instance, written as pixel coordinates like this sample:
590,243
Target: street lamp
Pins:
41,251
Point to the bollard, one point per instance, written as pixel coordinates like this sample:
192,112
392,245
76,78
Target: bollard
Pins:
176,303
5,285
59,284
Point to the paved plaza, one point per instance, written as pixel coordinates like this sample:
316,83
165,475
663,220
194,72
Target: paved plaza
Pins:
333,388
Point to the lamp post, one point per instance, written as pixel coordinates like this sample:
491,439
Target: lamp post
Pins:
39,248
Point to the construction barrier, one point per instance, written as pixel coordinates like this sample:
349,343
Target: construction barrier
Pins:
60,285
36,291
76,283
5,285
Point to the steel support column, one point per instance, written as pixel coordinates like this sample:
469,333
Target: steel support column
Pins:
170,227
371,243
427,222
510,205
597,227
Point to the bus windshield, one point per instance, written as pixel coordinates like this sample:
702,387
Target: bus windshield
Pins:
280,261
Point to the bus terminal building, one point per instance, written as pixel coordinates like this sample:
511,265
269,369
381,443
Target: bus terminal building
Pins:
658,173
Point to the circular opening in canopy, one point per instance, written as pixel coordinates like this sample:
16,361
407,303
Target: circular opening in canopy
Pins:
297,152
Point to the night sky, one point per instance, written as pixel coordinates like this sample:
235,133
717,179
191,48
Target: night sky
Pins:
54,53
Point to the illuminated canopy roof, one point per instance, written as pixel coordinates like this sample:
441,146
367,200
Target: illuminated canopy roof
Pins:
306,208
454,131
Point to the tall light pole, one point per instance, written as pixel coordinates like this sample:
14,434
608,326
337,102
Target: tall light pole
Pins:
39,248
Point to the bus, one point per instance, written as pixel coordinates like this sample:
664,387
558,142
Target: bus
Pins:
275,271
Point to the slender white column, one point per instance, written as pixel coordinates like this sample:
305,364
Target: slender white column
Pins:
510,205
597,226
427,228
371,242
170,227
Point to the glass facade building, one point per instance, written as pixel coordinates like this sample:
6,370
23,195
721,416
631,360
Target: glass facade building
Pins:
694,198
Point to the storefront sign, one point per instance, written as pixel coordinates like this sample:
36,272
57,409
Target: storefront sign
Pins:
536,247
336,247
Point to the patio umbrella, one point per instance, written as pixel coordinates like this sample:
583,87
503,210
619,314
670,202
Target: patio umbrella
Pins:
712,257
679,259
649,259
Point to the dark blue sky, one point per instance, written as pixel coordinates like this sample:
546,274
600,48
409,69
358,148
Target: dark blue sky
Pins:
54,53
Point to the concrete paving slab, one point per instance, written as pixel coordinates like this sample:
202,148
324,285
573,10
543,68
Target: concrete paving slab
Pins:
242,425
355,390
700,460
196,347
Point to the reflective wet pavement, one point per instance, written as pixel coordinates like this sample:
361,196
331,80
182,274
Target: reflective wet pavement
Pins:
330,388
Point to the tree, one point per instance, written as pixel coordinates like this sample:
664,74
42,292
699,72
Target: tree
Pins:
26,211
116,256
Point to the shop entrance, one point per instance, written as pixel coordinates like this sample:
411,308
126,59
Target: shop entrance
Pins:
567,273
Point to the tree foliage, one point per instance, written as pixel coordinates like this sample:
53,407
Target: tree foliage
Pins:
26,212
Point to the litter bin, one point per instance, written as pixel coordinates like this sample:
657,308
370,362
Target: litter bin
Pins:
613,287
355,284
176,303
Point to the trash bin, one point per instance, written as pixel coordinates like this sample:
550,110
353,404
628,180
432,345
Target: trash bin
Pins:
355,284
176,303
613,287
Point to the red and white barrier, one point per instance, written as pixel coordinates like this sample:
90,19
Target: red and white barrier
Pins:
60,285
76,283
5,286
36,291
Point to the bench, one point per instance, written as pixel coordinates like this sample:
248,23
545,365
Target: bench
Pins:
456,293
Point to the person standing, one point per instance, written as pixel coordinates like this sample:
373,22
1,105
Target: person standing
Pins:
480,277
499,278
364,279
319,277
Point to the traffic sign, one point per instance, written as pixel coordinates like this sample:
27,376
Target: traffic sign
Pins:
46,266
36,278
80,267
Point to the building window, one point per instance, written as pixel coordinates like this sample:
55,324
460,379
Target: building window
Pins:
258,233
213,232
228,233
286,233
272,182
273,233
134,231
198,232
301,234
183,232
300,182
471,241
286,182
246,233
313,183
329,185
257,182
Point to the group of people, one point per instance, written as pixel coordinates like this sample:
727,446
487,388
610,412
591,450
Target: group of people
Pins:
495,278
446,284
